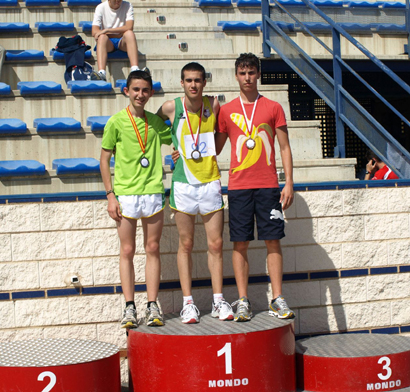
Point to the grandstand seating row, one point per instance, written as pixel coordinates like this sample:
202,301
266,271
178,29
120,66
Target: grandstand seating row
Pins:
222,3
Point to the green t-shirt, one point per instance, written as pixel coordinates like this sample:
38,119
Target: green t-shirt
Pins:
130,178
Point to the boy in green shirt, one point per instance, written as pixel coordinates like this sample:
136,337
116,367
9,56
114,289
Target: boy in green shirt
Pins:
136,136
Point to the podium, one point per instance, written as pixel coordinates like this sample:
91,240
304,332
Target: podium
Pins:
258,355
353,362
59,365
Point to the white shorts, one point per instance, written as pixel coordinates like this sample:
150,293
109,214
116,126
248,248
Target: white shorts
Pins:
196,198
141,206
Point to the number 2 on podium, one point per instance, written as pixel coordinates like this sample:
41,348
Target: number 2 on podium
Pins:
51,376
228,357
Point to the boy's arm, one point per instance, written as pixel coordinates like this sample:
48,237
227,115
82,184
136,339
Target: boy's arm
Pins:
286,197
167,111
113,206
116,32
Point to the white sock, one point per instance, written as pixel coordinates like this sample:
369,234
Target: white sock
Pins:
101,71
135,68
218,297
188,299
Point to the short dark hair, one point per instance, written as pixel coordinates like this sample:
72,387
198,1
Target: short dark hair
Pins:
139,75
371,155
247,60
193,67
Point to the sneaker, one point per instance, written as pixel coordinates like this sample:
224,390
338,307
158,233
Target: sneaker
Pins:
153,317
243,310
146,69
223,310
280,309
129,319
102,76
190,314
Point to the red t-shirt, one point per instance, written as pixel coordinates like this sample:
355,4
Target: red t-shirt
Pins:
255,168
385,174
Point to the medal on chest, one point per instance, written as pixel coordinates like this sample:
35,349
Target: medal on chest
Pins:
144,162
195,154
250,142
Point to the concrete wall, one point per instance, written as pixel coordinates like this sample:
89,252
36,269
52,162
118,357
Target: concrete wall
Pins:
346,266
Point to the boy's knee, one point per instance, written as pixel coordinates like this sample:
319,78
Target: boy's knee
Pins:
186,245
152,247
128,250
215,246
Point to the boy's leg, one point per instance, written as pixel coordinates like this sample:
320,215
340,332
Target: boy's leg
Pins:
278,306
152,228
104,46
186,226
213,224
129,44
275,266
241,267
126,232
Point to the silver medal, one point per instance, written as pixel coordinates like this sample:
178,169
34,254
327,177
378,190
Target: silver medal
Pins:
195,154
144,162
250,144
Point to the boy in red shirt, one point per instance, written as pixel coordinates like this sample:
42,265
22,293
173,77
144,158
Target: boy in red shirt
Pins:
251,122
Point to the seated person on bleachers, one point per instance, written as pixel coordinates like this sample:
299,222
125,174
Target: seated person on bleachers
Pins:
377,169
112,29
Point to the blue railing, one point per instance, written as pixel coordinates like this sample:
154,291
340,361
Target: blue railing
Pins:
347,110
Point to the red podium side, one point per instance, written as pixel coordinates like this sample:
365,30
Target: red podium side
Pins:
253,356
353,363
59,365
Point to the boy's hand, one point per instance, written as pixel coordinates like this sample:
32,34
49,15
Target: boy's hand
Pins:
175,155
371,166
114,210
286,196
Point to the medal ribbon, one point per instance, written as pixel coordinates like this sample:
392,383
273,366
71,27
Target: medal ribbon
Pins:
249,124
134,124
189,124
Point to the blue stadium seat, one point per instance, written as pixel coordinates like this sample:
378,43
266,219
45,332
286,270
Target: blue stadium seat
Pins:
86,26
5,89
76,3
292,3
356,26
316,26
97,123
89,86
60,56
390,28
10,3
22,55
17,26
76,166
328,3
168,161
248,3
237,26
57,124
12,125
21,168
33,3
289,27
112,161
392,4
362,3
214,3
168,122
121,83
29,88
54,26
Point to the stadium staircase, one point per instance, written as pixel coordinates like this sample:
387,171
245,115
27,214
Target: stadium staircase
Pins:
50,133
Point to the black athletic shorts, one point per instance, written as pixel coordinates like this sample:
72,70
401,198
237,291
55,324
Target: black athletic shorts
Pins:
263,203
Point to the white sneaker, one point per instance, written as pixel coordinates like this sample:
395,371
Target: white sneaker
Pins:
223,310
190,314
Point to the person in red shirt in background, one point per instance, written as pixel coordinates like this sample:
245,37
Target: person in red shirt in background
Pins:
377,169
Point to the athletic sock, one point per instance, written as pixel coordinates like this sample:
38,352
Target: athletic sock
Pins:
130,303
218,297
102,71
188,300
135,68
150,302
